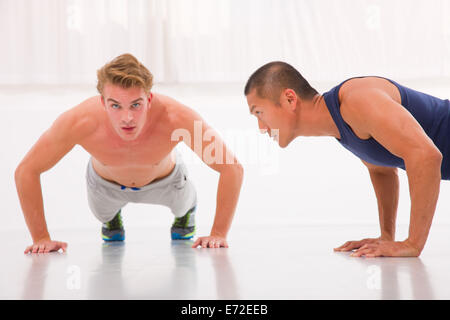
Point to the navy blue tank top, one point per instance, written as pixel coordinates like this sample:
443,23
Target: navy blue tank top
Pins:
432,113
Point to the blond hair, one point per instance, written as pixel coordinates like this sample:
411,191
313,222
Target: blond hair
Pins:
126,71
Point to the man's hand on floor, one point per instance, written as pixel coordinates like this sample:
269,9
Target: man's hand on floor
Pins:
376,247
45,246
210,242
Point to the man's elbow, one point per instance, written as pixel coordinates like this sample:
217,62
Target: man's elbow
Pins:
434,157
22,171
236,169
18,172
439,157
431,158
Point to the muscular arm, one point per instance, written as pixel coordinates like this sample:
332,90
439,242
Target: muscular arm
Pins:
208,145
395,128
54,143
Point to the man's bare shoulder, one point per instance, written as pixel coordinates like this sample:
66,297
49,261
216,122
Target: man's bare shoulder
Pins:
356,98
362,87
84,118
178,114
363,100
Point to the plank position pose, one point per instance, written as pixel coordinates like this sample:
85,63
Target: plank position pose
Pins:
131,134
385,124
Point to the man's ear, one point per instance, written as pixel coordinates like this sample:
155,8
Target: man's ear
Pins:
150,97
291,98
103,101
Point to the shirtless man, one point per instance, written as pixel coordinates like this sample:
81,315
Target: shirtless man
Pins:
385,124
129,133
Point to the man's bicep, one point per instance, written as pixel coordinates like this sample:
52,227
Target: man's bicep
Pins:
52,145
205,141
389,123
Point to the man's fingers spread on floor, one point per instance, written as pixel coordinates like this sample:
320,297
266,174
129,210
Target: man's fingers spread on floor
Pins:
362,252
63,246
207,242
349,245
196,243
357,245
342,246
370,253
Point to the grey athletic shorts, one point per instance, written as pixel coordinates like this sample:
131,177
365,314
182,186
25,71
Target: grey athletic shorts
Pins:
175,191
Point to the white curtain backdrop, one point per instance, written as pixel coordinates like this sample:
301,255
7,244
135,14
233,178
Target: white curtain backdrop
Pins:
66,41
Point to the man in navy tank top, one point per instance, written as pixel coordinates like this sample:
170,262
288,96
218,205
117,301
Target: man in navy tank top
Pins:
385,124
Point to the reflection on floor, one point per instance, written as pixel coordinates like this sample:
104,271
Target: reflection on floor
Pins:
290,262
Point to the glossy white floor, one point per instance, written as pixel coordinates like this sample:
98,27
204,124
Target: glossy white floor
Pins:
282,262
296,205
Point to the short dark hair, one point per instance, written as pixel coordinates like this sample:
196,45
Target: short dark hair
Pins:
273,77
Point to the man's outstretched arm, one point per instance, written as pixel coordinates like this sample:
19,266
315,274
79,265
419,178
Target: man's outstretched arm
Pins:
395,128
46,152
208,145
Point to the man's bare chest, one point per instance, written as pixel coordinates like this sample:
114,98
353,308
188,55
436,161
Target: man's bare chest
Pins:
147,151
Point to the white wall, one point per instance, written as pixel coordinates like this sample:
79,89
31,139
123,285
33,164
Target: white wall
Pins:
65,41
